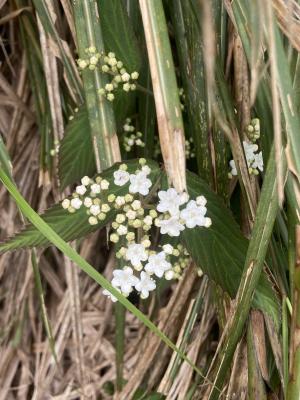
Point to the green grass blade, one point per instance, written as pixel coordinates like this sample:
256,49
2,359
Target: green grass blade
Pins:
293,388
5,162
262,230
39,288
285,343
120,313
168,110
47,22
190,51
101,116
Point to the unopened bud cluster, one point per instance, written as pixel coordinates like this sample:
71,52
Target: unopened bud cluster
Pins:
130,137
136,222
189,148
55,150
253,130
110,65
254,158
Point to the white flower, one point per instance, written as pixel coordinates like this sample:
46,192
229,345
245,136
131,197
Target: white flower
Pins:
139,183
121,177
134,75
66,203
125,77
193,215
253,160
169,201
109,295
122,230
95,209
88,202
233,167
136,205
258,161
120,201
169,275
131,214
81,189
104,184
201,201
168,248
171,226
120,218
249,149
76,203
207,222
136,253
146,169
95,188
157,264
145,285
148,220
124,279
93,221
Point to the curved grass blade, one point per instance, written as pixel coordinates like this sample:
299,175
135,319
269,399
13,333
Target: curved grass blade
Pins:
258,246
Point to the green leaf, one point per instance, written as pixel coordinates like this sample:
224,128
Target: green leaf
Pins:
69,226
76,155
220,251
118,34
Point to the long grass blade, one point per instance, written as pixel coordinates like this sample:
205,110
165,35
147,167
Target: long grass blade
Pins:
263,225
101,116
168,110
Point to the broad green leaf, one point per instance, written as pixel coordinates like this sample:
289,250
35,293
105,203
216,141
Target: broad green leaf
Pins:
118,34
69,226
220,251
76,155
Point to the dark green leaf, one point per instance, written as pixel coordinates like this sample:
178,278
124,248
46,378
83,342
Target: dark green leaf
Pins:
76,154
118,34
220,251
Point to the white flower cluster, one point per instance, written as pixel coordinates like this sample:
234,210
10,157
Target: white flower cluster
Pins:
145,265
254,160
88,195
135,220
174,218
131,139
110,65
